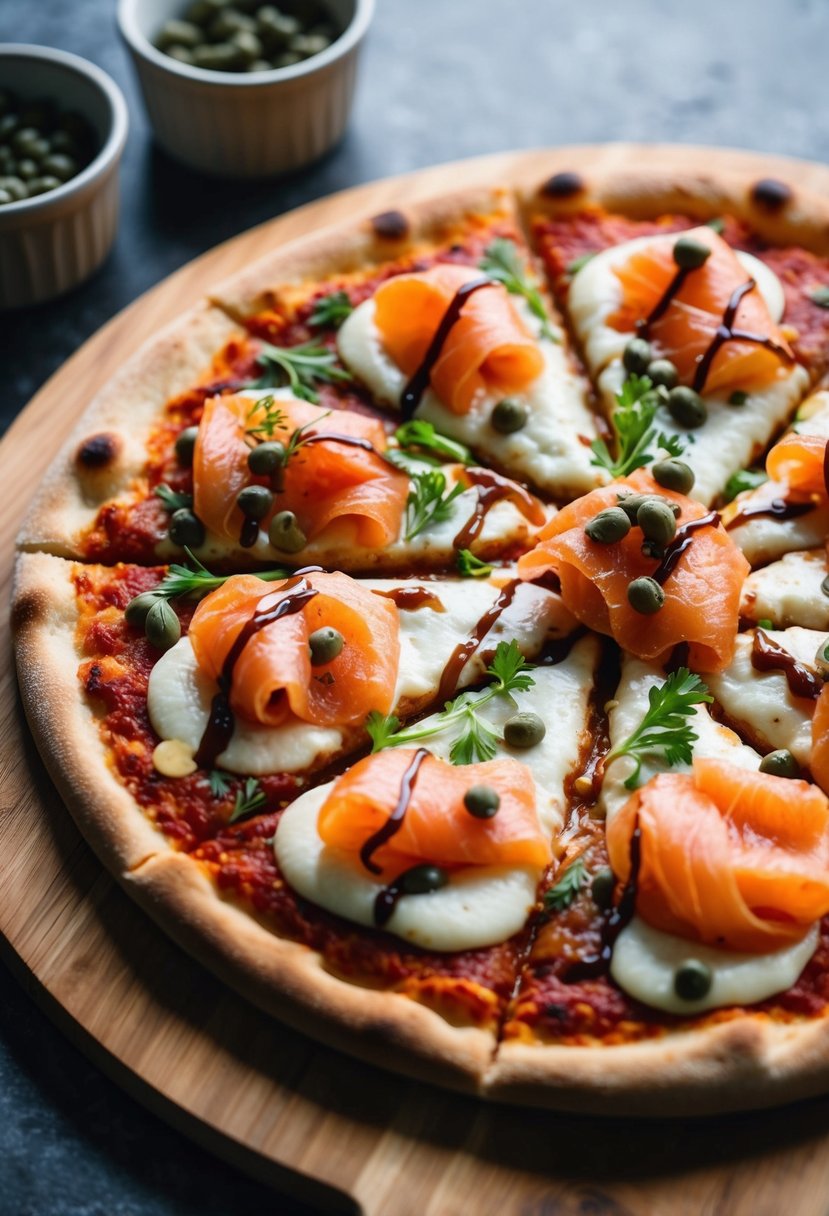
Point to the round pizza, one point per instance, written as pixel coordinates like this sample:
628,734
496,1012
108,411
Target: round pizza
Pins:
430,631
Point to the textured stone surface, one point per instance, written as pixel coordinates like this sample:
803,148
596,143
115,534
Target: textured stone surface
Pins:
440,79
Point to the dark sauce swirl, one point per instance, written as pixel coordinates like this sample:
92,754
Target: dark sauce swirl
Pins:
617,919
767,655
493,488
683,538
777,508
395,820
464,651
419,380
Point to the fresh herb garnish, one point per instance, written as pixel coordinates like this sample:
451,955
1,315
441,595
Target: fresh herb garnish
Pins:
502,263
471,566
172,499
429,501
330,311
299,368
664,730
477,739
577,263
273,419
738,397
743,479
765,623
219,782
422,435
633,422
717,224
820,296
249,799
567,888
197,580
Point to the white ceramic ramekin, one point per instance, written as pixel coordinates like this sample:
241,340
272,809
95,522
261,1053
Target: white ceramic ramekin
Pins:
53,241
245,124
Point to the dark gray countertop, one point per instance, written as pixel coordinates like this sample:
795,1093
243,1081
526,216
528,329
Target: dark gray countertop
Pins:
440,79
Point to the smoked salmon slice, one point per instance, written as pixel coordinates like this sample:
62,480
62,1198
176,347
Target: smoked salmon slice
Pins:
702,594
323,481
729,857
272,679
798,461
689,325
436,826
487,351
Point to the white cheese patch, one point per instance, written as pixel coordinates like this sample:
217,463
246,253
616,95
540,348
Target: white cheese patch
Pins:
760,703
789,592
645,961
479,906
551,451
733,435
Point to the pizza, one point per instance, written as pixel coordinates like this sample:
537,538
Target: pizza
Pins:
430,631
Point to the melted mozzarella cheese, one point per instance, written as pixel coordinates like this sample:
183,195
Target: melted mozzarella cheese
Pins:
551,451
645,961
732,436
760,703
789,592
179,694
479,906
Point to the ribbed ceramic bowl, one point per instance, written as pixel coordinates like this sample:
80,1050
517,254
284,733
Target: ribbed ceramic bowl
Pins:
54,241
245,124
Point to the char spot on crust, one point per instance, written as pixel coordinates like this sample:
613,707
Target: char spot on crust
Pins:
771,194
390,225
98,451
562,185
28,608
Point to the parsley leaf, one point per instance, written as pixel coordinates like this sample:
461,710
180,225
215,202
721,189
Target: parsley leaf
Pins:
510,668
299,368
172,499
567,888
502,263
765,623
420,434
664,730
577,263
633,422
250,798
471,566
219,782
183,580
429,501
330,311
743,479
478,741
273,419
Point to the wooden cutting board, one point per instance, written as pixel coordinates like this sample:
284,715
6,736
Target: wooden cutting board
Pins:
310,1121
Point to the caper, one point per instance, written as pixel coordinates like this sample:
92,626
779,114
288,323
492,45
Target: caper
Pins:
645,595
23,140
248,45
482,801
275,28
656,519
178,33
138,607
260,65
64,143
738,397
6,158
524,730
287,59
266,457
308,44
420,880
822,659
608,526
186,444
8,125
674,475
692,980
60,166
202,11
182,53
254,501
162,626
690,254
780,763
687,407
509,416
824,586
5,197
602,887
42,185
27,168
630,504
285,533
186,529
663,372
325,644
223,57
638,354
228,23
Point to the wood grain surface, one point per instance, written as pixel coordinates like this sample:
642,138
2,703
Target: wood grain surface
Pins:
310,1121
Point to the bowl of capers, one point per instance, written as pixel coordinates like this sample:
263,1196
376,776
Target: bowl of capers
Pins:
63,125
246,88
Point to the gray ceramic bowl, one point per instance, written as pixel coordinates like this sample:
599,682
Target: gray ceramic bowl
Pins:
247,124
53,241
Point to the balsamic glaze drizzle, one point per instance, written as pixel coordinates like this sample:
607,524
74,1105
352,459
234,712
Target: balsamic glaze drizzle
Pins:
767,655
492,488
395,820
778,508
683,539
464,651
419,380
617,919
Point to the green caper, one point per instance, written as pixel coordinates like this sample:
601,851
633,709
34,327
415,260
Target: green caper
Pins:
260,65
228,23
690,254
482,801
608,526
5,197
24,139
687,407
509,416
60,166
602,887
524,730
824,586
275,28
674,475
42,185
285,533
420,880
27,168
663,372
8,125
645,595
138,607
64,143
637,355
202,11
325,644
822,659
248,46
186,529
178,33
223,57
780,763
182,53
266,457
185,445
656,519
738,397
162,626
287,59
692,980
308,44
630,504
254,501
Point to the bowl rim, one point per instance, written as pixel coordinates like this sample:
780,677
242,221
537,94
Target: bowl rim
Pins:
114,141
139,44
